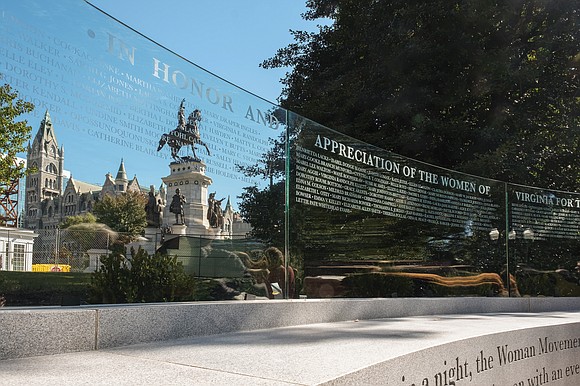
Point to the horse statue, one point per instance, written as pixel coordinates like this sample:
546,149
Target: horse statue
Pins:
186,133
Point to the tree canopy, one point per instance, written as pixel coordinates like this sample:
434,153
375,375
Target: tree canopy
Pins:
13,135
124,213
264,208
87,218
489,88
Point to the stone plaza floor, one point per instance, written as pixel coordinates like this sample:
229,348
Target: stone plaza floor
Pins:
301,355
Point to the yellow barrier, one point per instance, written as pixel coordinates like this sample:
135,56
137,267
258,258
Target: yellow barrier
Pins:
50,268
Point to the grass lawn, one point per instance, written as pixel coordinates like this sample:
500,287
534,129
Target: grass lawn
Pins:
44,288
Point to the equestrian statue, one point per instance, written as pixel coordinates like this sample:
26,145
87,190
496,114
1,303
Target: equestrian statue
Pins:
186,133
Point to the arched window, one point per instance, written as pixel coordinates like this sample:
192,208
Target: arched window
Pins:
51,168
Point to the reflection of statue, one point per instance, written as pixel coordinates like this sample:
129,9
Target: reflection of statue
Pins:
186,133
150,207
181,116
277,274
159,212
215,214
176,206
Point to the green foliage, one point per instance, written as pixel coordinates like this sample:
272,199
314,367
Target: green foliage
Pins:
271,165
535,283
13,135
531,282
377,286
141,278
484,290
124,213
43,288
264,209
373,285
490,88
69,221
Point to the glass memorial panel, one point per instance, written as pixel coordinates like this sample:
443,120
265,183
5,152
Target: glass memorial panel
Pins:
365,222
118,112
241,189
545,241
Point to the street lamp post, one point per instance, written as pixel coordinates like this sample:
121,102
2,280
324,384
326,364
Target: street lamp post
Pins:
494,236
512,239
529,237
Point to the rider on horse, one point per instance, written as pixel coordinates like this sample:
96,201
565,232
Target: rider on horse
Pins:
184,134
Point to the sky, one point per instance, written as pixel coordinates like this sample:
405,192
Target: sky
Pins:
110,96
229,38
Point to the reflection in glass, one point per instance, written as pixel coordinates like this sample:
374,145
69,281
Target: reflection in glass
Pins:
275,205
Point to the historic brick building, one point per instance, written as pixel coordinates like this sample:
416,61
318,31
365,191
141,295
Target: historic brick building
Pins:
50,197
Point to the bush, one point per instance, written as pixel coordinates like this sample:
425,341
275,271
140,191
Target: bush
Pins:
536,283
377,286
141,278
43,288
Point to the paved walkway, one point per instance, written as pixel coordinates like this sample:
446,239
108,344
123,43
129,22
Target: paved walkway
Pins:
301,355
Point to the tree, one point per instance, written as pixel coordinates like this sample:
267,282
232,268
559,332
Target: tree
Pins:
490,88
70,221
271,164
83,232
264,208
124,213
13,135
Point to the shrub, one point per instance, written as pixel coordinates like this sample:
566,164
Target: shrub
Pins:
141,278
377,286
43,288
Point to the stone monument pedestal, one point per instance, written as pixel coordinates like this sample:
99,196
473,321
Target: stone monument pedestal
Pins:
178,229
189,177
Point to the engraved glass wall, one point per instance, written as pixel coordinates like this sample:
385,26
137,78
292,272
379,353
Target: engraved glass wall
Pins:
115,112
366,222
544,242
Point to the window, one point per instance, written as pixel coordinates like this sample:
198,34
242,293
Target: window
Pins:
51,168
18,255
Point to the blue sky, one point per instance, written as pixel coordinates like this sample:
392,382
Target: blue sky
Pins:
226,37
112,93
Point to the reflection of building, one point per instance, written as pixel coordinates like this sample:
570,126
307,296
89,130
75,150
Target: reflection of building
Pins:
50,197
16,249
48,201
233,226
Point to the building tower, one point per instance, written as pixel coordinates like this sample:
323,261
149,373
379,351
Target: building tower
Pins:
228,219
121,181
44,186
